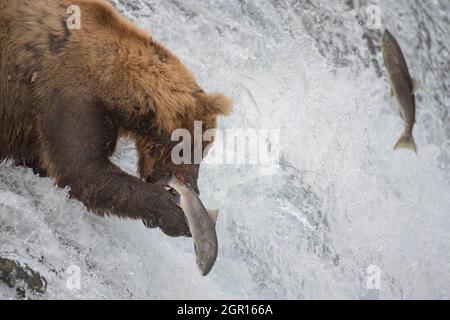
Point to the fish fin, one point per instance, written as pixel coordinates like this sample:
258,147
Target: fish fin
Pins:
214,214
416,86
406,142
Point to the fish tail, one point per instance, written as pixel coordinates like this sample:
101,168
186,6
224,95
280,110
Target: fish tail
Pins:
406,142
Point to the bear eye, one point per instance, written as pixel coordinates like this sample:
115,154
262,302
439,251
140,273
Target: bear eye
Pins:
156,150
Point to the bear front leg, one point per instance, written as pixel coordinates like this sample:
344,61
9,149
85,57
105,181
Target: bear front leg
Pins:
78,141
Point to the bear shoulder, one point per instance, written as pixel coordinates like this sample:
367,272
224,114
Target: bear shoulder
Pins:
133,73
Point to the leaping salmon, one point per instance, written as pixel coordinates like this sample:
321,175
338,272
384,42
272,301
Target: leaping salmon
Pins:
403,89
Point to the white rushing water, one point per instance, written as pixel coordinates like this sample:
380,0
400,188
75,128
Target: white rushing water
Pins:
342,201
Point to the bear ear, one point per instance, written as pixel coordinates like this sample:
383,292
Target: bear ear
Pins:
218,104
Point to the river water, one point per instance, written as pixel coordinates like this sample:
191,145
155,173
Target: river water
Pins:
343,217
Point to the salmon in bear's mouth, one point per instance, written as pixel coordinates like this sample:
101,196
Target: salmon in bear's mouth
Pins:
201,223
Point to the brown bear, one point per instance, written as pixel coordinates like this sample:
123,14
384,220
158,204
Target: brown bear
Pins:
68,94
